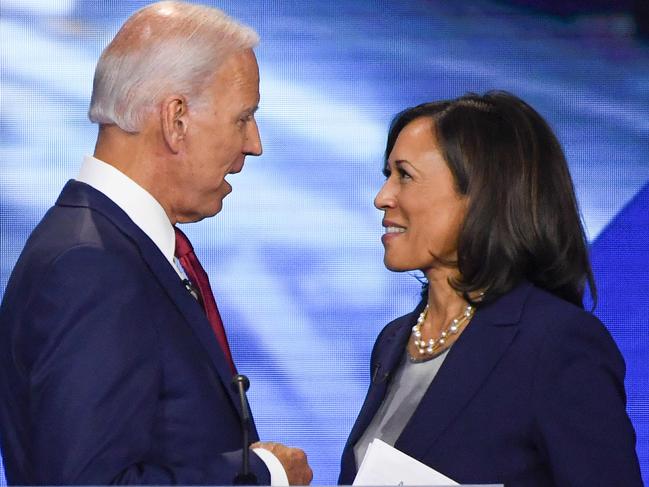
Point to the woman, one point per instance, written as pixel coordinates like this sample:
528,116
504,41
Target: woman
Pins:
499,375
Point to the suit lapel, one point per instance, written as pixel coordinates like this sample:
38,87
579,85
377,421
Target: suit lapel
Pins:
190,309
387,356
79,194
468,364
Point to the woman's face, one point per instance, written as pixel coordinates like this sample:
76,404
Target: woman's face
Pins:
423,211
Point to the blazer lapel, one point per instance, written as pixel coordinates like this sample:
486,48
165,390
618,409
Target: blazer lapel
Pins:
468,364
386,358
79,194
389,352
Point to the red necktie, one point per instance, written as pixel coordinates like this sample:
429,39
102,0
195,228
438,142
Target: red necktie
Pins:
197,275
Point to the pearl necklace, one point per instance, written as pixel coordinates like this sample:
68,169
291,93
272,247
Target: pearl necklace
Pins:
432,346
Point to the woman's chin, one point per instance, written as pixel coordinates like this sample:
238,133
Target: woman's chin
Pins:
396,265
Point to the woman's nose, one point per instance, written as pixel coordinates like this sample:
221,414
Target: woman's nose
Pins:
385,198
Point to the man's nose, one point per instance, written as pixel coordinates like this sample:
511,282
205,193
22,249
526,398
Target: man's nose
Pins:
253,140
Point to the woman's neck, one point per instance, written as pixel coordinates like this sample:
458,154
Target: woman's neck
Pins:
444,302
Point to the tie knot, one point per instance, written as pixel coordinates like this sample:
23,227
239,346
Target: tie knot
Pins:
183,245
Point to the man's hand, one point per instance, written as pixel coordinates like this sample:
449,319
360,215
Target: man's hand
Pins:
292,459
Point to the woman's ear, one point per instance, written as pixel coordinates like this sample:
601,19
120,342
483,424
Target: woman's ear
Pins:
174,121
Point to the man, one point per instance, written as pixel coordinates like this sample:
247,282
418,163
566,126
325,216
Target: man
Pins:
114,366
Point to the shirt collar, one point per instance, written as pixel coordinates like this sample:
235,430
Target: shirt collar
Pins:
134,200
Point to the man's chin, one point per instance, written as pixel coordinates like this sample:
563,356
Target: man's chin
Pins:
212,212
201,215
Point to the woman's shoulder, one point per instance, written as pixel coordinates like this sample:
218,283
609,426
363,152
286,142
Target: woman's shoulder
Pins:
552,311
556,324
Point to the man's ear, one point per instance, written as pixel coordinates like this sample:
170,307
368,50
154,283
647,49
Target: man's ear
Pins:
174,121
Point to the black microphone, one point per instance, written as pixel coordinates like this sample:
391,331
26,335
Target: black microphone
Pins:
240,384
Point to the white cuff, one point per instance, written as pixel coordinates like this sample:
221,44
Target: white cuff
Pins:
277,472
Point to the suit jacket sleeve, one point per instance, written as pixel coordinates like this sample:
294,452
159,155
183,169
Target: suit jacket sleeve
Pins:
90,353
580,406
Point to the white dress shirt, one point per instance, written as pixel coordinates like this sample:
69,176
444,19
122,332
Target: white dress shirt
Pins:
148,214
135,201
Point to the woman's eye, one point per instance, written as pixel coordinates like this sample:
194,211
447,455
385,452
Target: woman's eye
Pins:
403,174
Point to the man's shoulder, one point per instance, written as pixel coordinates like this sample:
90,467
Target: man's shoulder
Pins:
65,229
75,241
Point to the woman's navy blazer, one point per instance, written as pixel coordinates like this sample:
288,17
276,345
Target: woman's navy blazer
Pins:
531,394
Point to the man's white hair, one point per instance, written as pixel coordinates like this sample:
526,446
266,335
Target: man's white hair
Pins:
164,48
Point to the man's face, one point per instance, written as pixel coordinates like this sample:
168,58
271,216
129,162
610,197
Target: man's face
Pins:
222,131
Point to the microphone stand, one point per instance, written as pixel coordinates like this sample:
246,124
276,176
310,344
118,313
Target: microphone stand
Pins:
240,384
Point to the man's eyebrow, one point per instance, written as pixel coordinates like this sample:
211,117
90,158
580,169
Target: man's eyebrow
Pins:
249,112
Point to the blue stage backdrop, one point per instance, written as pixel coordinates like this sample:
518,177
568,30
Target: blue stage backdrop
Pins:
295,257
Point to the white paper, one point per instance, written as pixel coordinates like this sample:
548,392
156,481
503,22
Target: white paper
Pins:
385,465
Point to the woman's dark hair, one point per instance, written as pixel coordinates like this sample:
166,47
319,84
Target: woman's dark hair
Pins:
522,220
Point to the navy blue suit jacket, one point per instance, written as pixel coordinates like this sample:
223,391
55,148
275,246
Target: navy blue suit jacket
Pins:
109,369
531,394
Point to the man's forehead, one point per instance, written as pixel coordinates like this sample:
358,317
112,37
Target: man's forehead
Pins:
242,64
237,82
